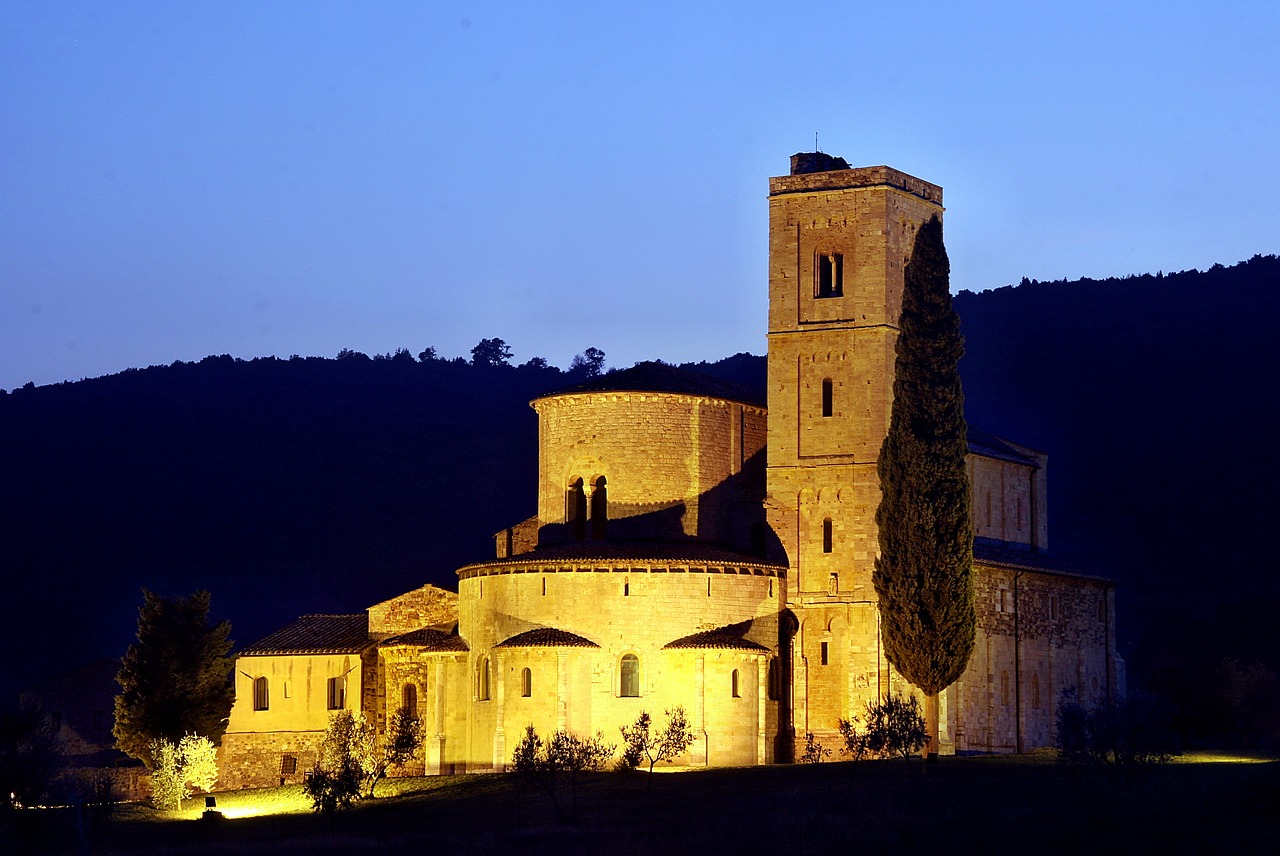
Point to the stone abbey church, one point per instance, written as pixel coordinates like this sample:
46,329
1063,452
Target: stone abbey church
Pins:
694,546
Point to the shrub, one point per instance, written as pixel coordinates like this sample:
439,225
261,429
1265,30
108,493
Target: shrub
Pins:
641,742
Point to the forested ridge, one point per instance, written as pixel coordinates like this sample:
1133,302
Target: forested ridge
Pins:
326,485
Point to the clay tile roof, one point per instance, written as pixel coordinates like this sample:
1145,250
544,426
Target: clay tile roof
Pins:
723,638
317,634
996,554
681,551
429,639
991,446
546,637
659,377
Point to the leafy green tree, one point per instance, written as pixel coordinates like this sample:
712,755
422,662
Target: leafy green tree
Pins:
642,742
396,747
179,768
175,680
491,352
923,573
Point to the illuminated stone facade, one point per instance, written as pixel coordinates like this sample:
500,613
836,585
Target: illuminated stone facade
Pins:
692,549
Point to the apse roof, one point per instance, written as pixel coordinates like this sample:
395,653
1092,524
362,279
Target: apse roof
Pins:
316,634
679,551
723,638
429,639
660,377
546,637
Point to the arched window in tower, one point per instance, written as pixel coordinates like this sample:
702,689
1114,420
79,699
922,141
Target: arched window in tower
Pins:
629,676
599,509
261,698
734,684
409,701
826,535
829,275
575,510
828,397
526,682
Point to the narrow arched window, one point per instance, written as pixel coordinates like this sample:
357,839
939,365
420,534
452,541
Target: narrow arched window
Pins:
734,684
629,676
261,700
526,683
575,509
826,535
482,679
828,398
409,701
599,509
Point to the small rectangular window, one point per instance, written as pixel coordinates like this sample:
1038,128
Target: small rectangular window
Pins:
824,653
828,275
337,693
288,765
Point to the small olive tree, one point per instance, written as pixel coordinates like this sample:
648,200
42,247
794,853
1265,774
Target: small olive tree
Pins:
641,742
540,762
894,726
354,758
191,763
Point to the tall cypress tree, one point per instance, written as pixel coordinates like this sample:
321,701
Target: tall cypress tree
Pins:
923,573
175,680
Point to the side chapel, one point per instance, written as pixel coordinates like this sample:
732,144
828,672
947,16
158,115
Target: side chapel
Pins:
695,546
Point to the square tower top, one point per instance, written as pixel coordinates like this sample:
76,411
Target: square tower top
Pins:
817,171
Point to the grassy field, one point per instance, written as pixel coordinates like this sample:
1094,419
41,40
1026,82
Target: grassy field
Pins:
1009,805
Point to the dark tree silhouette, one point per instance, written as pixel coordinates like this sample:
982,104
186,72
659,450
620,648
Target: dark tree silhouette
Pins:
491,352
923,573
590,363
174,680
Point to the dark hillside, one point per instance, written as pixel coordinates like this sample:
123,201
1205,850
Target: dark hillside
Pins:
317,485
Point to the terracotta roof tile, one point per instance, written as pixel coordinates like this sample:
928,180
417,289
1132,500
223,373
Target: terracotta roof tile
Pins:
546,637
724,638
429,639
317,634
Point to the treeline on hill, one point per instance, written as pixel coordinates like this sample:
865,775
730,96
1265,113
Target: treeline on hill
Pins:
326,485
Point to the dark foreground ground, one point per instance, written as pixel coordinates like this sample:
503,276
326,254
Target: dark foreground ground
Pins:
962,805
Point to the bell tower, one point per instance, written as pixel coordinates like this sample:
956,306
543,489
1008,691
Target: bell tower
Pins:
839,239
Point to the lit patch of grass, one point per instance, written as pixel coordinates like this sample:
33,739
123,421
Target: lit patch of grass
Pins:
1208,757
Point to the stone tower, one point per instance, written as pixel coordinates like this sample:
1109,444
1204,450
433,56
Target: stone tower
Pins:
839,239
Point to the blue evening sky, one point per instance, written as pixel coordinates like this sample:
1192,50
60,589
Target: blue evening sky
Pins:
180,179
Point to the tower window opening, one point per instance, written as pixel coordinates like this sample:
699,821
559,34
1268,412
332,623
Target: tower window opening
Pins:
482,679
599,509
544,586
629,676
734,684
825,656
826,535
828,397
626,589
575,510
526,682
829,275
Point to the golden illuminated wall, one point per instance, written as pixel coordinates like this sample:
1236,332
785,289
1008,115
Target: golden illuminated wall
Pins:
633,609
673,464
